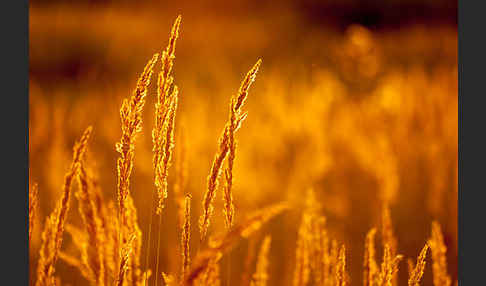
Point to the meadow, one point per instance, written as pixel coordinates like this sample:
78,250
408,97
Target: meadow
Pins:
202,150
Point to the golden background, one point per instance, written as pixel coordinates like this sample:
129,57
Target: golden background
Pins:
357,113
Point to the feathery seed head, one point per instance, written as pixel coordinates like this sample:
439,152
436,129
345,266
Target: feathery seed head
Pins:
416,273
226,144
439,258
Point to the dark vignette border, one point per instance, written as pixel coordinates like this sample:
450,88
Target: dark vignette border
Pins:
14,139
472,142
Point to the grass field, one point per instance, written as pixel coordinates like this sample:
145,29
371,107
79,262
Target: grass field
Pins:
332,161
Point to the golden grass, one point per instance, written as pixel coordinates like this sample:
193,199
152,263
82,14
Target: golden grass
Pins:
226,142
131,119
129,240
389,267
416,272
387,231
128,230
33,204
53,230
261,276
370,266
302,266
341,267
224,242
109,244
389,240
181,173
124,264
93,253
164,126
186,237
439,261
165,111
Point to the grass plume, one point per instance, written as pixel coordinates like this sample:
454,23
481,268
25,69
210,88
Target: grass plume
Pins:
93,259
186,237
341,279
54,227
223,243
260,277
302,253
165,110
369,265
417,271
125,259
131,126
439,260
230,128
389,267
33,204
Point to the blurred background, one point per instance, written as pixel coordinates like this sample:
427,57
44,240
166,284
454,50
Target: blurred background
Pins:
356,99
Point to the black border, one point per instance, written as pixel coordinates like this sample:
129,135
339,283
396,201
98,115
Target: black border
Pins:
14,23
472,143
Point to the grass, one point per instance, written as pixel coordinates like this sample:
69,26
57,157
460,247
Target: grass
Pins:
110,245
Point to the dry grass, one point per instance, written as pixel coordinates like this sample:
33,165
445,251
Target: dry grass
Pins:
33,204
226,145
107,243
260,277
438,248
186,237
370,266
224,242
129,235
416,272
52,235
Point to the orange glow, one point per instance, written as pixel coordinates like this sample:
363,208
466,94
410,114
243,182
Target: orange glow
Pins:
364,117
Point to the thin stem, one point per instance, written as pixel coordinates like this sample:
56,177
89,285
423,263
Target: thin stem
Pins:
147,255
158,251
